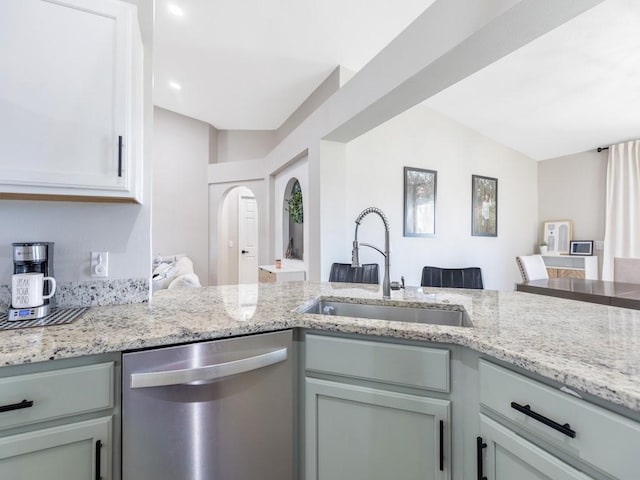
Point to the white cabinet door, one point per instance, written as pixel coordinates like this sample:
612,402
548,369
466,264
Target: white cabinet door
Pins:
78,451
69,113
504,455
359,433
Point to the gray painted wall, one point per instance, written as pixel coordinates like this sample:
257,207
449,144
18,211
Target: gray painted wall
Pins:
573,187
180,193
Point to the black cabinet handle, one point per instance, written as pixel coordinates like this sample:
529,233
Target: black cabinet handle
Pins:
98,466
245,251
120,155
441,446
480,445
16,406
566,428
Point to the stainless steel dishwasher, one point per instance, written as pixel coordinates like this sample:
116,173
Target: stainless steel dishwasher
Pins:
218,410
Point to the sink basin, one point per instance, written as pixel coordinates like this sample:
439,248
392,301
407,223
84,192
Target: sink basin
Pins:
427,315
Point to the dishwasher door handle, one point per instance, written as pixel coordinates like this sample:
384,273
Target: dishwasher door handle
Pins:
208,372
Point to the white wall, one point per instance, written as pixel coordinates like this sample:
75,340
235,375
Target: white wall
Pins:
78,228
236,145
425,139
180,192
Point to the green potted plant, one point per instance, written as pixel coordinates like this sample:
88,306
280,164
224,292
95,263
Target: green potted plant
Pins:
543,247
294,205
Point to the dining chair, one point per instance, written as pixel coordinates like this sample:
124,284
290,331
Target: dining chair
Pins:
532,267
626,270
470,277
344,272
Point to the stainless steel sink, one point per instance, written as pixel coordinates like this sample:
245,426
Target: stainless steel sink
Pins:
428,315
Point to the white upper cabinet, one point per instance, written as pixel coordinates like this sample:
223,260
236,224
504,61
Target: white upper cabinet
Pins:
70,99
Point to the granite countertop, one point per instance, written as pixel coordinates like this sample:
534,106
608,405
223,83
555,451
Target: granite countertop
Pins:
588,347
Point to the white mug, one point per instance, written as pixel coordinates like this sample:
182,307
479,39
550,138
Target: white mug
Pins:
27,289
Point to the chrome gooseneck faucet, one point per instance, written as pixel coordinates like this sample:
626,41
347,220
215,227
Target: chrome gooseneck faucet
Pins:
355,260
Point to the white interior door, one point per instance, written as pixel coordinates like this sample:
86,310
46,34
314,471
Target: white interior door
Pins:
247,240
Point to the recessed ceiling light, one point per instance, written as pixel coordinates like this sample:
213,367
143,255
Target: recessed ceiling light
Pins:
176,10
175,85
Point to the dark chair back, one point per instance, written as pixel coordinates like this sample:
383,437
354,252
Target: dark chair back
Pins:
452,277
344,272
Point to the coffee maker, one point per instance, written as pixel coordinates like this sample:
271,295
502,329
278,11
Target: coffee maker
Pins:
33,257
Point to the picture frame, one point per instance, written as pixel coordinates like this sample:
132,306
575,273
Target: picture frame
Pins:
420,189
558,235
581,247
484,206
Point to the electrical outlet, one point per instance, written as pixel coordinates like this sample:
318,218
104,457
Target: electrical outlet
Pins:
599,244
99,264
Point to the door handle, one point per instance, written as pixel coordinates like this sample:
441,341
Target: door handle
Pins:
480,446
245,251
441,445
98,468
208,372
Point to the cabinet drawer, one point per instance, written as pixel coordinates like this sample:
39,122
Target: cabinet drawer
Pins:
266,276
55,394
406,365
604,440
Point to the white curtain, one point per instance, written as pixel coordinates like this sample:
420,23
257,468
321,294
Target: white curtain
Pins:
622,230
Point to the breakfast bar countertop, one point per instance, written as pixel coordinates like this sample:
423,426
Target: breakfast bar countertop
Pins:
588,347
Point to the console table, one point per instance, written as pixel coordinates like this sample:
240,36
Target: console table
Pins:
617,294
571,266
271,274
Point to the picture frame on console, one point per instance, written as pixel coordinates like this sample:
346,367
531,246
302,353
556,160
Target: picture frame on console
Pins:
581,247
558,235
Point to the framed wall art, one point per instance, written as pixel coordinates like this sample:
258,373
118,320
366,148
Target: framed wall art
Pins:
557,234
420,202
484,206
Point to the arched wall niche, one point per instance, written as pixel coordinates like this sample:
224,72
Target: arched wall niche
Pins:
293,221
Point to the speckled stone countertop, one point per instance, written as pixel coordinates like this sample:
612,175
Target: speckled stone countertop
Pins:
588,347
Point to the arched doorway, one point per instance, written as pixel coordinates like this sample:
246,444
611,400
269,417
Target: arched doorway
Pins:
238,237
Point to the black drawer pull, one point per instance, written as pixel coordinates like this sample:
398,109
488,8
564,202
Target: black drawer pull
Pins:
566,428
120,155
480,445
16,406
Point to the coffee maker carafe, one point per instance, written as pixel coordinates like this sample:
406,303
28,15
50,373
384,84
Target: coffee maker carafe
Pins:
33,257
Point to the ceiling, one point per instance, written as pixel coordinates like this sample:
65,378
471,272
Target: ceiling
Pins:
571,90
248,65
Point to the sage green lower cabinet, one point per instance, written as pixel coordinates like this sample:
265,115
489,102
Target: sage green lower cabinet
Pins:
66,452
362,433
508,456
